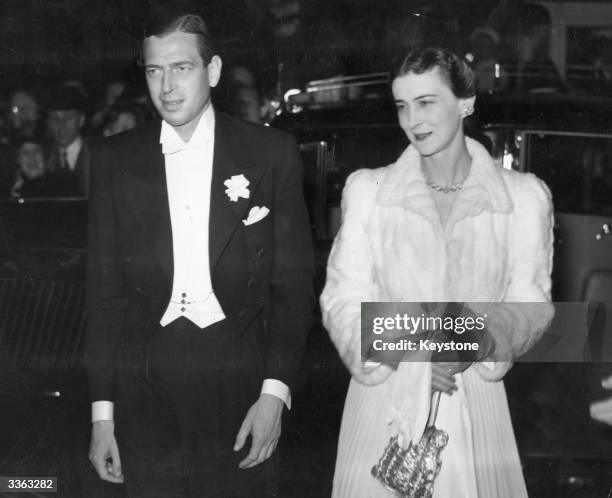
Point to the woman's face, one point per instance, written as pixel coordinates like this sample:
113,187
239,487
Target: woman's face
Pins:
31,161
428,111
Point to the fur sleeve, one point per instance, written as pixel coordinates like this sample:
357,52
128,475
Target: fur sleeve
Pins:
350,277
526,312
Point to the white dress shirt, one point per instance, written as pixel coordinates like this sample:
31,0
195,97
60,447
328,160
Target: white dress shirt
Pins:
71,153
188,178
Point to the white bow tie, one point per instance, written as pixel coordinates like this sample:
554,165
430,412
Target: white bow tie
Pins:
178,146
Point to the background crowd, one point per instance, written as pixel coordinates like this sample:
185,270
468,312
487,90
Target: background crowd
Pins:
46,138
48,124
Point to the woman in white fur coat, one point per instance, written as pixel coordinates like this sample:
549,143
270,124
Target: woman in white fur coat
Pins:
443,223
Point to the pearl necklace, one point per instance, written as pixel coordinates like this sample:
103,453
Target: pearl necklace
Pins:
446,190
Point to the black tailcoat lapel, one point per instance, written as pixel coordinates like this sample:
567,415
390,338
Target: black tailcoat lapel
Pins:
149,166
233,155
231,158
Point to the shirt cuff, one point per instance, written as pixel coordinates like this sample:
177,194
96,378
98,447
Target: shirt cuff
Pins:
278,389
102,410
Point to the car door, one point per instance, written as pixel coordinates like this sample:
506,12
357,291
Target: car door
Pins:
42,276
577,167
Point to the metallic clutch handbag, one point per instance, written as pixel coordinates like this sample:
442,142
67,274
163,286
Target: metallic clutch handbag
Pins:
411,472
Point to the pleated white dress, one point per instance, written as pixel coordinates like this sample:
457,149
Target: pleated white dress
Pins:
496,246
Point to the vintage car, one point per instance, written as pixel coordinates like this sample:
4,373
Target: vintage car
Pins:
344,124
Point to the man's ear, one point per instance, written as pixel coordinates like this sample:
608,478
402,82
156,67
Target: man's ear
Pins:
81,120
214,70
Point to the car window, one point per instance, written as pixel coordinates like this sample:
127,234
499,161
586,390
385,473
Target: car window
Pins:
362,148
43,224
330,157
576,167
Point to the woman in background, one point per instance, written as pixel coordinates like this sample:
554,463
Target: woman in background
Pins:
121,117
443,223
31,176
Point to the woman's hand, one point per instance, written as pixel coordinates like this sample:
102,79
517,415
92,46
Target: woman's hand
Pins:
442,375
373,373
492,370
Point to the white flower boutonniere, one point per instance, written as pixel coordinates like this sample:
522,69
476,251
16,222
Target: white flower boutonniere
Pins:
237,187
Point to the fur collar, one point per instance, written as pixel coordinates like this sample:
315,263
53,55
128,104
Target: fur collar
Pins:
403,184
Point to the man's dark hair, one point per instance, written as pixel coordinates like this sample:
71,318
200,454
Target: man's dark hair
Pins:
163,23
455,71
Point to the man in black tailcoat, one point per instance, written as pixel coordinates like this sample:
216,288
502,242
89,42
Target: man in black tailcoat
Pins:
199,285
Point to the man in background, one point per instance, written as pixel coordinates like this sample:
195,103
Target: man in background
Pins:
68,157
23,115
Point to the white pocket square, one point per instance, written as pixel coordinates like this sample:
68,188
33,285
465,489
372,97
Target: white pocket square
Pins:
256,214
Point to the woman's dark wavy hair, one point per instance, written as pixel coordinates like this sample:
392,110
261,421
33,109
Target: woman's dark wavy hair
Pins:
455,71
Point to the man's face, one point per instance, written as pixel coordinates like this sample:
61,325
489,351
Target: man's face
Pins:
246,102
179,82
65,126
24,112
113,92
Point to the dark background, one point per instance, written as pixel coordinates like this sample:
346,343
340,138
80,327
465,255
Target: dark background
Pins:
44,41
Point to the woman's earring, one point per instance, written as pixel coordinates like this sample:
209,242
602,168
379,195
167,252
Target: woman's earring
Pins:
467,110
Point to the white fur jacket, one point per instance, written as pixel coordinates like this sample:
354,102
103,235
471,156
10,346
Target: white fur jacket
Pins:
496,246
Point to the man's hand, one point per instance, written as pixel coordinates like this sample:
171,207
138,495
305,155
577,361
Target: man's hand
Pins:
104,447
602,410
263,422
